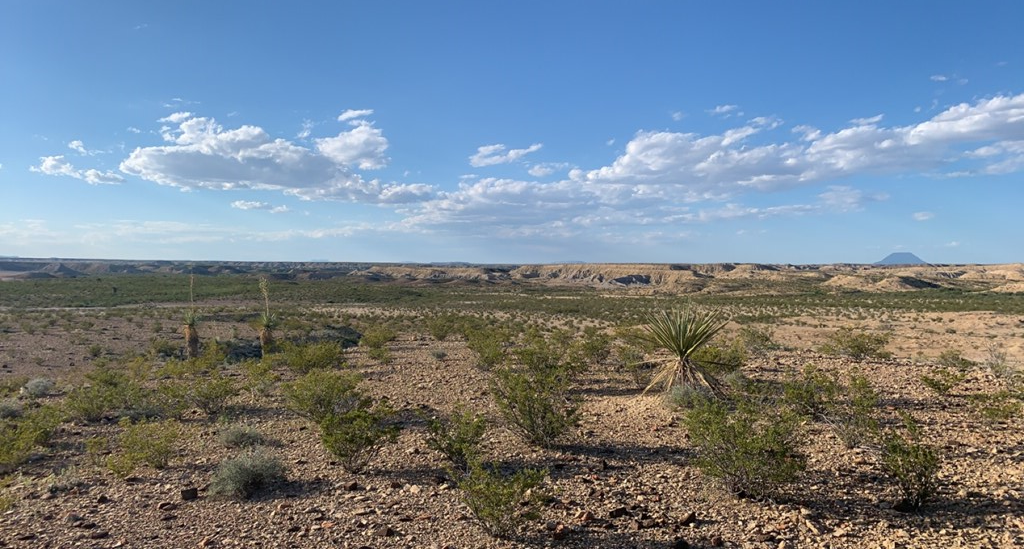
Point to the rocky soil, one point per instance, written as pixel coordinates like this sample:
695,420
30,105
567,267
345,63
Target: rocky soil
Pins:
625,479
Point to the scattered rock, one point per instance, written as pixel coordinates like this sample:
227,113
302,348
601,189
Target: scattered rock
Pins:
189,494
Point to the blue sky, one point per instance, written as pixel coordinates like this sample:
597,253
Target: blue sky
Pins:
516,132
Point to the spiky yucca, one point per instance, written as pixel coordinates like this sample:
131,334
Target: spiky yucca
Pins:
268,320
683,333
188,329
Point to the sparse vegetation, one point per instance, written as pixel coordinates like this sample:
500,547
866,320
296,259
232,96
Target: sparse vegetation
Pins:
244,475
912,465
457,437
856,344
501,503
683,333
356,436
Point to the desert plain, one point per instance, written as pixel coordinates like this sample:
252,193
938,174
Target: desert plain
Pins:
625,473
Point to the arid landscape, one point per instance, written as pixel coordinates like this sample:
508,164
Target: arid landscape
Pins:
95,369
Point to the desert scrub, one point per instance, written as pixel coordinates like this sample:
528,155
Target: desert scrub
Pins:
11,385
501,503
210,393
9,408
241,436
489,346
457,437
20,436
260,378
812,393
856,344
535,401
941,380
38,387
357,436
951,358
853,415
376,337
242,476
999,406
322,393
149,443
324,355
912,465
751,450
683,333
722,360
758,341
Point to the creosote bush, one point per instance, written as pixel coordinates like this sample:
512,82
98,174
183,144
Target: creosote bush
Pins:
356,437
912,465
858,345
536,401
323,393
150,443
242,476
501,503
241,436
306,358
751,450
38,387
20,436
457,436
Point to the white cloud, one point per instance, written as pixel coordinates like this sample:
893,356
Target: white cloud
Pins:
938,78
846,199
490,155
202,154
869,121
354,113
953,244
363,145
133,129
176,118
725,110
78,146
678,115
546,168
56,165
256,205
307,130
923,216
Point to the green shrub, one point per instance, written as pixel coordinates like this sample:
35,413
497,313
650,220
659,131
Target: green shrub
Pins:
718,360
857,345
751,450
322,393
853,417
380,354
997,407
501,503
149,443
377,337
442,326
951,358
87,404
457,437
38,387
324,355
912,465
813,394
211,393
244,475
10,385
241,436
489,346
357,436
592,347
20,436
941,380
758,341
260,378
535,401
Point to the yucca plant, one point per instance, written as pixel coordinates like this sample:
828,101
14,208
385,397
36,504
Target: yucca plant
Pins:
683,333
188,329
267,321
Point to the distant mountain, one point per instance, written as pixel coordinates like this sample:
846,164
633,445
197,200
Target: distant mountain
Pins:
901,258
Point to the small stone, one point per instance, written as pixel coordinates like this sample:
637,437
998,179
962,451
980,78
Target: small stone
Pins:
189,494
208,542
618,512
73,518
688,519
166,506
383,531
102,499
350,486
560,532
99,534
415,489
584,516
168,516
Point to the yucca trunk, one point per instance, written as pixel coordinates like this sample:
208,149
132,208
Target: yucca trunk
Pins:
690,374
191,341
266,340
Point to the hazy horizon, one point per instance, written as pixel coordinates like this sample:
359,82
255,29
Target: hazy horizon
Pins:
512,133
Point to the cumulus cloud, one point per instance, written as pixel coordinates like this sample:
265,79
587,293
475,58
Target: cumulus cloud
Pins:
202,154
923,216
726,110
938,78
256,205
546,168
176,118
354,113
56,165
678,115
490,155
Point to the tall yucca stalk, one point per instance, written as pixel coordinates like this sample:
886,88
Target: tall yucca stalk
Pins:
188,329
268,320
683,333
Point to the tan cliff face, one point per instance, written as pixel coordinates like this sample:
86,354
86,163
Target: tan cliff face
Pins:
669,277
